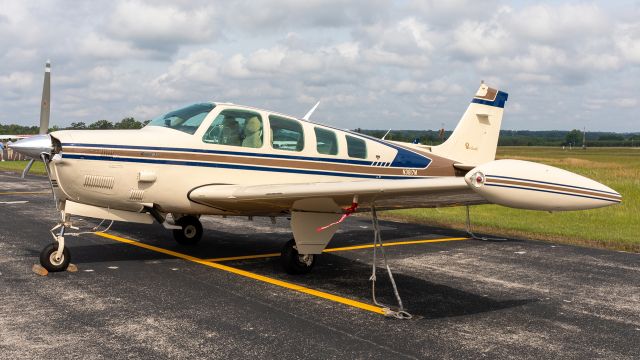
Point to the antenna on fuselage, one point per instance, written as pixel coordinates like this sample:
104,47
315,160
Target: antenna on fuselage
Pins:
385,134
308,114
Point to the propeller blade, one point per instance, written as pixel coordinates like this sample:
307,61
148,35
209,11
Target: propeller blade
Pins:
37,144
28,167
45,109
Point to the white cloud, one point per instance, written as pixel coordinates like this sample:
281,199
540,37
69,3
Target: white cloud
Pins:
627,40
559,22
16,81
102,47
164,25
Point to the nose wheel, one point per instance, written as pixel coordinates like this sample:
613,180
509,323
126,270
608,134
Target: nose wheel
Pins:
190,231
293,262
52,261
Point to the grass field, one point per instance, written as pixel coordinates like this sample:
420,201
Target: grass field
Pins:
18,166
614,227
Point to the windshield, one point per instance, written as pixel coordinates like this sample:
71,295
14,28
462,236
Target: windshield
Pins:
187,119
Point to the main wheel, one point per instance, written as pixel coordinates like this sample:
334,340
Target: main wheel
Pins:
294,263
191,231
48,258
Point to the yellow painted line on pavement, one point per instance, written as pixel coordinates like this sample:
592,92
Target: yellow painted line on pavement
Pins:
346,248
25,193
395,243
245,257
284,284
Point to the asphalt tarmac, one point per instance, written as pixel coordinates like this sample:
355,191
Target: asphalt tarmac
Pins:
138,294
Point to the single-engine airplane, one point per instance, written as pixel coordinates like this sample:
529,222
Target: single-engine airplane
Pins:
216,158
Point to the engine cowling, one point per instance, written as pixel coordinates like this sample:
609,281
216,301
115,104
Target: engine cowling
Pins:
528,185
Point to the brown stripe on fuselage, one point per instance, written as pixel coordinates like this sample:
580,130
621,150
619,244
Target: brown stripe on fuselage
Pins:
438,166
551,187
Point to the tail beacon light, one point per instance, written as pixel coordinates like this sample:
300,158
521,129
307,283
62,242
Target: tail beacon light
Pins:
532,186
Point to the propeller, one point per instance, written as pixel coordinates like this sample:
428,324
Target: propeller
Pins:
34,146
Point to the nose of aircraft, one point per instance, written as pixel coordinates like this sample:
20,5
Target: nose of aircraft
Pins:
33,146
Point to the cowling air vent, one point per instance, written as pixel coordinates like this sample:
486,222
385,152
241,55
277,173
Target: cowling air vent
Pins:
136,194
99,182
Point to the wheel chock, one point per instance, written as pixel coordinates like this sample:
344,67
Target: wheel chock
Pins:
39,270
72,268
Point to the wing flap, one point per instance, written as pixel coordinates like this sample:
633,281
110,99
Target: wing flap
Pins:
393,193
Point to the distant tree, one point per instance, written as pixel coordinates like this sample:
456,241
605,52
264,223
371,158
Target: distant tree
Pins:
144,123
609,137
101,124
574,137
128,123
78,125
54,128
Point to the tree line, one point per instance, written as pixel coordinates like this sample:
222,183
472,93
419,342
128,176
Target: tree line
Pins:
426,137
519,137
126,123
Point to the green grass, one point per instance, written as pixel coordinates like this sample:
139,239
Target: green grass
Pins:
613,227
18,166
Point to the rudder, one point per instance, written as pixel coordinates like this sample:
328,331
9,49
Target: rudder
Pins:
475,139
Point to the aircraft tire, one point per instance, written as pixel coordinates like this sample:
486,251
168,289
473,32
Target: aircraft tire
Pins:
294,263
48,261
191,231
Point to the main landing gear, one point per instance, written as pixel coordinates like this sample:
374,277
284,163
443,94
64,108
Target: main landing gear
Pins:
190,231
295,263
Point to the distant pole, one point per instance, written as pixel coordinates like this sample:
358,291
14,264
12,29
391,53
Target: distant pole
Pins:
584,138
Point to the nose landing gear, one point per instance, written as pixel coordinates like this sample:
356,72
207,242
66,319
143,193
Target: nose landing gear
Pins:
56,257
50,260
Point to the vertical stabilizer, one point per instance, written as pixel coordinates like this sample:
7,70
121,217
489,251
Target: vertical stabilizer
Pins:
45,109
475,138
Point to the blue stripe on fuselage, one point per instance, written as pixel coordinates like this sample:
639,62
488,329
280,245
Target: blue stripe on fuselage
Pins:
234,166
404,158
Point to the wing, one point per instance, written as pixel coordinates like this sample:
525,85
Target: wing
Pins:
387,194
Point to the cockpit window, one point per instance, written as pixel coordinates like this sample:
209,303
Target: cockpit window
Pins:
235,128
187,119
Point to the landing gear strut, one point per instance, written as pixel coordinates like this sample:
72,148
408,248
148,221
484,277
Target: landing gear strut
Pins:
190,231
295,263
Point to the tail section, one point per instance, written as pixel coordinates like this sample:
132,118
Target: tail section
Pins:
475,138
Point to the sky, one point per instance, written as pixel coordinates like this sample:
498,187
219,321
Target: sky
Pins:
373,64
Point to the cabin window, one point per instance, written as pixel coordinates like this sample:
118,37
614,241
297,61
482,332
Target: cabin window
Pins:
235,128
326,141
187,119
356,147
286,134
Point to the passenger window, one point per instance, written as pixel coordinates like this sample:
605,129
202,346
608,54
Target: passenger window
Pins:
286,134
235,128
357,148
326,141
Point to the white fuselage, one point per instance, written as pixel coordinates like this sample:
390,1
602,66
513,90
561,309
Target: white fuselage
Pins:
104,168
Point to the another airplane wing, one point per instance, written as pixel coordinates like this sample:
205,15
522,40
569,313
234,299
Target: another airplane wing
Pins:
387,194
